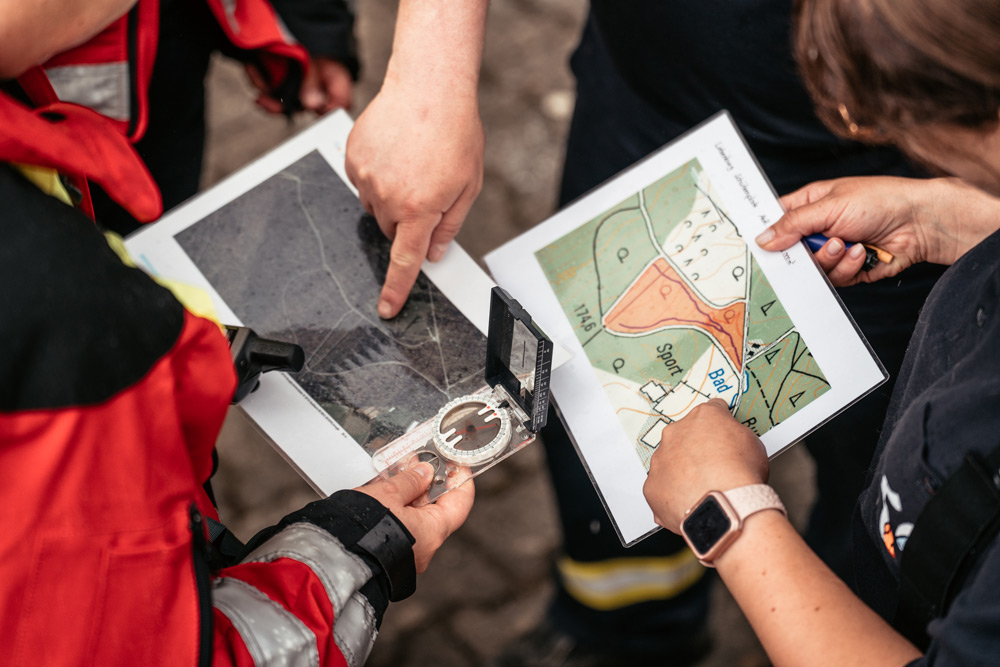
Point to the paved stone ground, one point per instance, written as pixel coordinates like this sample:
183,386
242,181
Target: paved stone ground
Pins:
490,582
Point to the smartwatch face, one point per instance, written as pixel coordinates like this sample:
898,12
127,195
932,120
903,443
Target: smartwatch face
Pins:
706,525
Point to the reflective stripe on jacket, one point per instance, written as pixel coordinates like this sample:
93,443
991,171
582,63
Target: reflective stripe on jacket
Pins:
110,73
111,399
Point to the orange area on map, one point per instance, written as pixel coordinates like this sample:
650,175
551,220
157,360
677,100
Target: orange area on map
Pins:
660,298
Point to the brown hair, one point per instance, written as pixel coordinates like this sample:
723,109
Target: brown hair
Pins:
878,68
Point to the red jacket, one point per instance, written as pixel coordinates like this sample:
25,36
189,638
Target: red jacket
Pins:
111,398
110,74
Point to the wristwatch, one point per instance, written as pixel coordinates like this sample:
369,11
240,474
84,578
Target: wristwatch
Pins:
715,521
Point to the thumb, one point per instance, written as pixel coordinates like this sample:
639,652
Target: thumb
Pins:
408,485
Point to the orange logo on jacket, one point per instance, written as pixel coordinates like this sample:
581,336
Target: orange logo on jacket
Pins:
893,539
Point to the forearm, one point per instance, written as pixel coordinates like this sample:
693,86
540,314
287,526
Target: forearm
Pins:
438,44
416,153
330,569
801,612
956,217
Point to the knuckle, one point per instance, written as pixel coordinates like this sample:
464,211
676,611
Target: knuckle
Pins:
404,259
416,207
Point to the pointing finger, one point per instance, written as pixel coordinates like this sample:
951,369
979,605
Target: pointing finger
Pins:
408,251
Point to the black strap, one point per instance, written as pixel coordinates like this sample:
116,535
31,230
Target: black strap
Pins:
954,527
389,544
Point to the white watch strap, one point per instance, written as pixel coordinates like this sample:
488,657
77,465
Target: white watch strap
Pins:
747,500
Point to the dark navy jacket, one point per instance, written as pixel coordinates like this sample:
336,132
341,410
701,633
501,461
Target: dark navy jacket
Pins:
946,403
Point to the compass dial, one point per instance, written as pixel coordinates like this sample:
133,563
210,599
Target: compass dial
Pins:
471,430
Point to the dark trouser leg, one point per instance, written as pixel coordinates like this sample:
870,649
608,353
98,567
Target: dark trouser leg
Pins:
652,597
611,129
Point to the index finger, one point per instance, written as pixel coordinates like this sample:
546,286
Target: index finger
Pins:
407,255
796,224
807,194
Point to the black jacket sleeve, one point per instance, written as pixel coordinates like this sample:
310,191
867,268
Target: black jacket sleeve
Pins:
324,27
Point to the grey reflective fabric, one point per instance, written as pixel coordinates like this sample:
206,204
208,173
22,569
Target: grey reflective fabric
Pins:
273,635
354,630
229,6
341,572
104,88
286,34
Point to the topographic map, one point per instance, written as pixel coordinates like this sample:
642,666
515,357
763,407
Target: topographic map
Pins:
672,310
297,259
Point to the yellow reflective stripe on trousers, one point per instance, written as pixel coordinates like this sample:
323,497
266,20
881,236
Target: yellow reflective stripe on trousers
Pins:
620,582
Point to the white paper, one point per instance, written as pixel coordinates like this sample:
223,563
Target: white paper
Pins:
662,315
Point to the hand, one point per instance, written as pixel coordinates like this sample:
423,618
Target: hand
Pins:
707,450
876,210
915,220
327,86
417,163
430,524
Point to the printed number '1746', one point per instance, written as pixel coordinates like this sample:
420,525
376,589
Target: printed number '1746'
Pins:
587,322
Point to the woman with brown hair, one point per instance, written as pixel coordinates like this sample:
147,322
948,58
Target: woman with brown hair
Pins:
924,75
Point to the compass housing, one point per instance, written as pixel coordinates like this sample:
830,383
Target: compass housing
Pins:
472,433
471,429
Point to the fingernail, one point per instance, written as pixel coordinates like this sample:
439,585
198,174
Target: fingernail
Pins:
437,252
384,309
424,469
857,250
765,237
834,247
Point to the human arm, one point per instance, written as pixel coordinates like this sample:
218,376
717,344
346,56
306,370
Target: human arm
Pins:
33,32
430,524
327,85
416,153
335,565
796,605
916,220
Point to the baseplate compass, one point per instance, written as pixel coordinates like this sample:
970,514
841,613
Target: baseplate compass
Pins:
473,433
